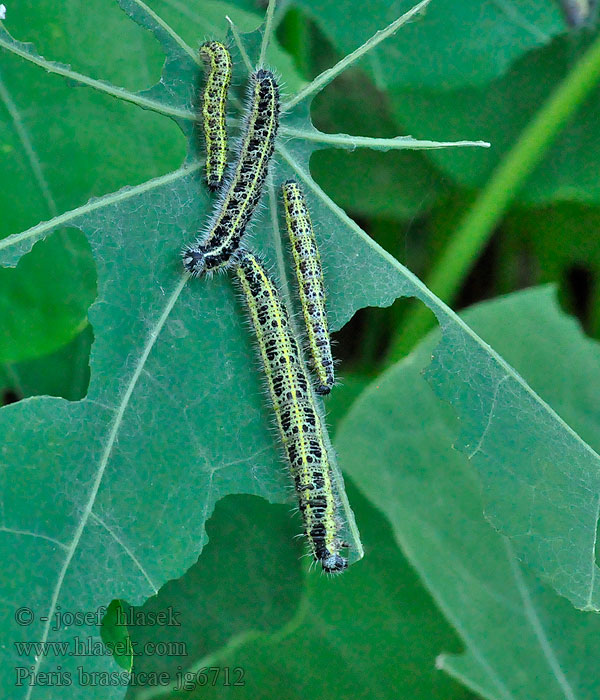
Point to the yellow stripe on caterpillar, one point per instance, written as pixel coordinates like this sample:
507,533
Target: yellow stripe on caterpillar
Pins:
298,421
311,290
240,195
214,106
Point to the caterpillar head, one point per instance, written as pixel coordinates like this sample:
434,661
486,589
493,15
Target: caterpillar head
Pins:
334,564
194,261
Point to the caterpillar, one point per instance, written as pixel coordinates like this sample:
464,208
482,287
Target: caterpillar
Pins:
214,102
309,275
298,421
240,196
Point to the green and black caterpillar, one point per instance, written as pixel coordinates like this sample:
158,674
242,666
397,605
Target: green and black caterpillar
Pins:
298,421
311,289
214,109
241,193
300,427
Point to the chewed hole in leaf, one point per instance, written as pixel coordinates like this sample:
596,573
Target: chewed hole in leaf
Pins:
45,299
580,285
269,564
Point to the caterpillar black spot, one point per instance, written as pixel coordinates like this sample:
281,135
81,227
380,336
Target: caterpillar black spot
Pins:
311,290
298,421
214,105
217,249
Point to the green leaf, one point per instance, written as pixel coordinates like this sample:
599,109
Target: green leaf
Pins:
499,112
175,416
197,19
452,45
563,238
340,400
376,622
497,436
76,144
560,235
41,313
522,641
207,611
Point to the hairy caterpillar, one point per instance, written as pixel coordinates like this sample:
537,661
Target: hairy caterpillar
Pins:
298,421
311,289
242,192
214,103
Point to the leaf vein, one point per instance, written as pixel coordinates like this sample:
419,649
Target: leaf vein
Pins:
126,549
32,157
490,417
170,31
95,204
352,142
328,75
517,17
36,535
589,605
536,625
100,85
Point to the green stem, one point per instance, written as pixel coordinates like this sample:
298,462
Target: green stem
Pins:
267,31
478,224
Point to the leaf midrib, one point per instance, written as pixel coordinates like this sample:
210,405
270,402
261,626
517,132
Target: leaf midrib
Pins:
111,438
123,194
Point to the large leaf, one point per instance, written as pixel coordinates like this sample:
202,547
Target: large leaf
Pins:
522,641
464,43
500,111
175,418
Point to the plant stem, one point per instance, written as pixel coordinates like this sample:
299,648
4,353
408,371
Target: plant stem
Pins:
477,226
